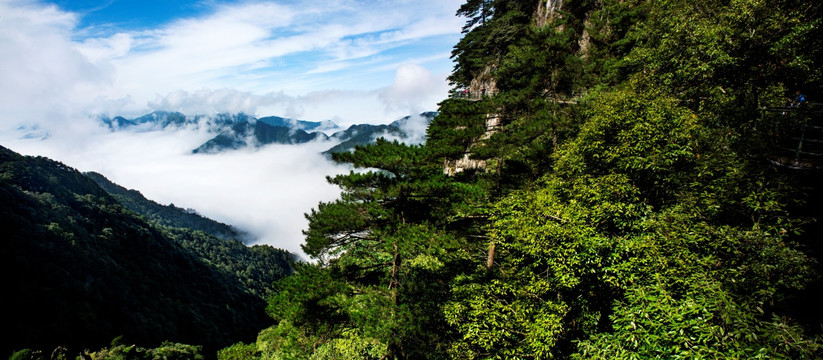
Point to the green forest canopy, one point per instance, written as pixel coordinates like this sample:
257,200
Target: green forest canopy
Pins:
626,207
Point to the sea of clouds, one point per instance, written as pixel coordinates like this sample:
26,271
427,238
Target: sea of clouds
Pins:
57,79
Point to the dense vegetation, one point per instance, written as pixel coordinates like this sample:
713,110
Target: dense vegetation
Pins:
623,201
623,206
80,269
218,244
165,215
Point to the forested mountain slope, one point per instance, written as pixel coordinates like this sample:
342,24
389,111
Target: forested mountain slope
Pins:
79,269
624,205
167,215
220,245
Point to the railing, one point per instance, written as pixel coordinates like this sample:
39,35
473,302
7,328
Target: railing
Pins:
465,94
468,95
797,135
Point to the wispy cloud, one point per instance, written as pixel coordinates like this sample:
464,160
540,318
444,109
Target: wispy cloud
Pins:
264,47
208,101
260,47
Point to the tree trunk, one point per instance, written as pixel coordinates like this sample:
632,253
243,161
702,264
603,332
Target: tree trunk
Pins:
490,259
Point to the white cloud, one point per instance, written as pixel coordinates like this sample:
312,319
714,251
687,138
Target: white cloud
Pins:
207,101
415,129
42,74
264,191
414,88
345,60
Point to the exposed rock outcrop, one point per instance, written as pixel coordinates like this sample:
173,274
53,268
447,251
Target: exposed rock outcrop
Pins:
453,167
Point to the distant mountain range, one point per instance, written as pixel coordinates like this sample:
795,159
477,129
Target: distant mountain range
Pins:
236,131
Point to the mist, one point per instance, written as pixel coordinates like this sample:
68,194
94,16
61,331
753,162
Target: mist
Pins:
264,191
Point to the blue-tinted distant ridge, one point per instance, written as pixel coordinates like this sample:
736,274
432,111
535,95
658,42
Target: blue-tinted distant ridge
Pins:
237,131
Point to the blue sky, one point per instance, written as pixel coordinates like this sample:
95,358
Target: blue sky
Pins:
350,61
129,14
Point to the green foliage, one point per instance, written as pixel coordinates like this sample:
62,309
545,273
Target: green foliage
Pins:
239,351
649,139
615,219
626,210
706,323
24,354
455,128
486,44
383,253
548,261
166,351
255,267
478,11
